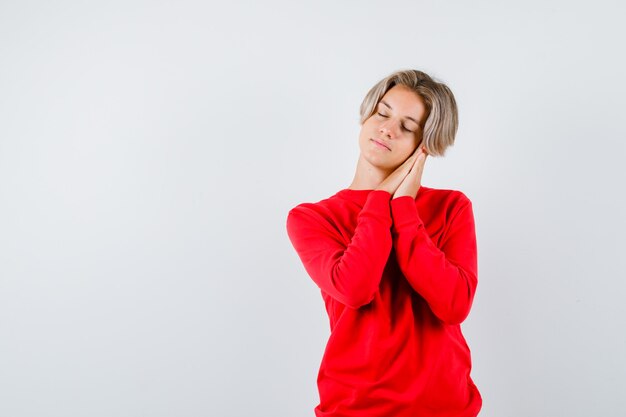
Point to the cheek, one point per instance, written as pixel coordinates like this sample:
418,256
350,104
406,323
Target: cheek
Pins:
415,143
411,146
367,131
370,125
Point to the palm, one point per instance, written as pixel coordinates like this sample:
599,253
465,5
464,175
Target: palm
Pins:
412,182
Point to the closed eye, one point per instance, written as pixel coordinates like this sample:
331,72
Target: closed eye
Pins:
403,127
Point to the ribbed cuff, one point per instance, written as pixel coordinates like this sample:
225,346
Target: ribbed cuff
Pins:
404,213
377,206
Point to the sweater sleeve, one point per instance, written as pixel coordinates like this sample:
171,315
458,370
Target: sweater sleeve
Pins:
349,273
446,278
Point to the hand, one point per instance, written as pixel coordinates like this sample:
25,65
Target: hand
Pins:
412,181
393,180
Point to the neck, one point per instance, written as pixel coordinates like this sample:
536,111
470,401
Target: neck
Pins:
367,176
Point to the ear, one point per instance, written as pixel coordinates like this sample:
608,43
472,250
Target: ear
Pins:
422,144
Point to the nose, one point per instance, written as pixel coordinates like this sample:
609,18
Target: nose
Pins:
388,129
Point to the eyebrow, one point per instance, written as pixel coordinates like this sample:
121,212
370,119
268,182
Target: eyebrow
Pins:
408,117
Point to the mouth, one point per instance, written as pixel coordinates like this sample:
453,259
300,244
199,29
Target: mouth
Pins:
382,145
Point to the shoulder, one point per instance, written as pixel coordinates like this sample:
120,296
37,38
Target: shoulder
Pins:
450,198
322,211
447,206
450,209
319,207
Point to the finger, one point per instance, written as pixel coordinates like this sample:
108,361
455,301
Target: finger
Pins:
419,170
414,167
406,165
418,159
418,165
420,156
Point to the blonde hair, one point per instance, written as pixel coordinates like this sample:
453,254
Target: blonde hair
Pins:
442,121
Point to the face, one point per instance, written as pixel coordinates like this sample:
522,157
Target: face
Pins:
394,131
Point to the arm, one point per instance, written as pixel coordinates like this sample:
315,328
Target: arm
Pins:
350,274
446,278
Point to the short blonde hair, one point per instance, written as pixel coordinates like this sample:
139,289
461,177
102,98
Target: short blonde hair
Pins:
442,121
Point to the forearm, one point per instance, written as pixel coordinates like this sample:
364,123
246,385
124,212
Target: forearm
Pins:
446,279
350,273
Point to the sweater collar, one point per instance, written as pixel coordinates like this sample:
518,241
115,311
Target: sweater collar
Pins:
356,196
360,196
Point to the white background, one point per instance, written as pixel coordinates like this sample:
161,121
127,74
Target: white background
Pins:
150,152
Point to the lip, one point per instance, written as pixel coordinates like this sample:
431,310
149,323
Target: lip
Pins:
381,144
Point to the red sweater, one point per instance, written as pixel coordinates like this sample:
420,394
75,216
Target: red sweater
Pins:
397,276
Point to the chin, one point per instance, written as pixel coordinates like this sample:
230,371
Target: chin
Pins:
381,164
